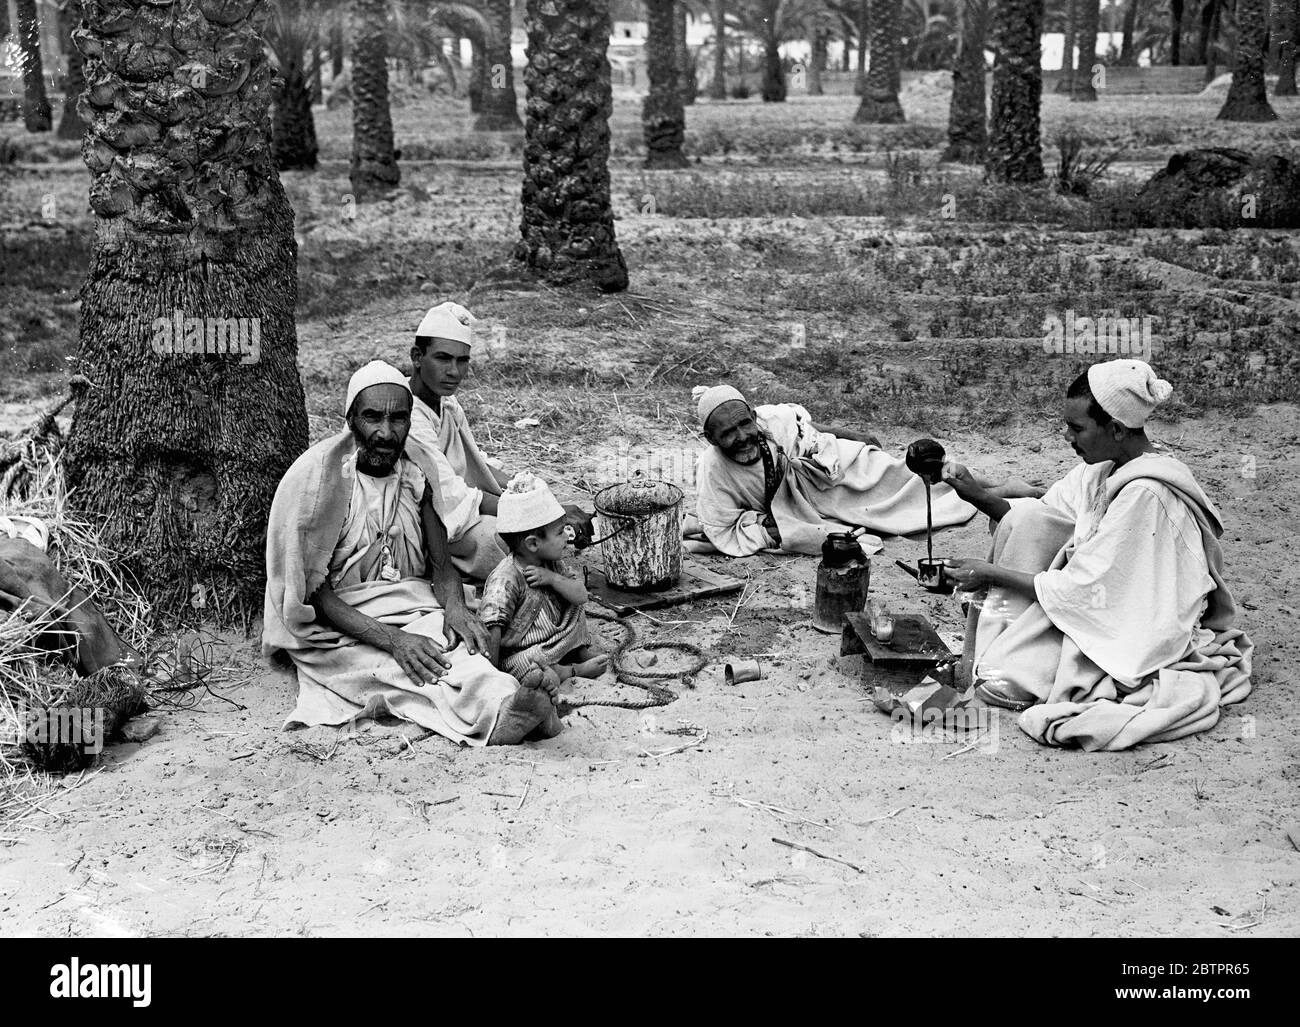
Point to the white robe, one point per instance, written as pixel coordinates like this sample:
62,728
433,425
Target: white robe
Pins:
830,484
1130,634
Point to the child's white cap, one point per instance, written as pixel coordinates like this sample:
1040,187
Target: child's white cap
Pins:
527,504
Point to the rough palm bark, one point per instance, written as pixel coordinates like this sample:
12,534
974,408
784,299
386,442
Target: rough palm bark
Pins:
1175,32
37,115
1065,84
1015,136
175,456
685,61
499,111
374,163
718,87
336,47
1286,23
663,119
70,124
568,221
1089,23
967,112
1247,98
880,104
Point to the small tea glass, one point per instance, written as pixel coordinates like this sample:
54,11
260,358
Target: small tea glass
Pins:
884,628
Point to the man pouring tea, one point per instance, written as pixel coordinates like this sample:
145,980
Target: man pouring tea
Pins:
1107,618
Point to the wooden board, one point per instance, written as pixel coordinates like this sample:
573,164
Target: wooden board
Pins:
915,643
696,582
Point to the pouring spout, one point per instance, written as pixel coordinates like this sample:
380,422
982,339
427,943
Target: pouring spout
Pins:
910,570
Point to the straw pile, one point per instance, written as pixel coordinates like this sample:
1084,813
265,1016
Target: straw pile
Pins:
32,484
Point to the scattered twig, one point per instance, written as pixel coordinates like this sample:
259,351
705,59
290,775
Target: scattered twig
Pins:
775,810
502,795
527,784
883,816
1240,927
973,745
676,749
820,855
243,755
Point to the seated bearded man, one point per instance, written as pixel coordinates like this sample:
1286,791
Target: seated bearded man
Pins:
361,593
773,479
471,486
1107,619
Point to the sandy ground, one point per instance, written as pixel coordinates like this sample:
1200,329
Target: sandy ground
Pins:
223,825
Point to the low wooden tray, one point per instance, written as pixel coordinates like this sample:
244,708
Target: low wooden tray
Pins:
915,645
696,582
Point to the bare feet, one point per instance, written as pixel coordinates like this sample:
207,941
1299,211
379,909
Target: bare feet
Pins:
592,668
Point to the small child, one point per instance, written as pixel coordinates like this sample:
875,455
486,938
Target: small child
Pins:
533,601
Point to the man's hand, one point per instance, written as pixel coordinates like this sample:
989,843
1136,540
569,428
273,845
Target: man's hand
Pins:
538,577
420,656
962,481
969,574
769,525
459,625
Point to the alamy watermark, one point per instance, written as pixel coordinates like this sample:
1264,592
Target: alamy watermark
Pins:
1106,333
80,726
179,334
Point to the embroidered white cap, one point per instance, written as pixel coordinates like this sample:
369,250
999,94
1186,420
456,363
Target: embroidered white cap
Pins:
447,321
377,372
1128,390
527,503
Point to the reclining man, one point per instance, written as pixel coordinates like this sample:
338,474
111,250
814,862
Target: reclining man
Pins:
772,478
1107,618
361,592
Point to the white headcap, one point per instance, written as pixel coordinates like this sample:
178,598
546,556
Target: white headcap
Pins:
377,372
526,504
447,321
708,400
1128,390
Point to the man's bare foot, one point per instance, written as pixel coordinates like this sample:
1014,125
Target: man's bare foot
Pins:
592,668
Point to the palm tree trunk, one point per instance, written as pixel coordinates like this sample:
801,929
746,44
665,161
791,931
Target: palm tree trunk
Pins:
773,69
336,47
663,119
1127,58
718,87
1175,31
967,114
70,124
293,128
685,62
176,451
817,61
1287,23
568,220
500,111
1065,84
1247,98
37,116
1089,23
880,104
478,76
4,19
1208,9
374,164
314,83
1015,143
860,83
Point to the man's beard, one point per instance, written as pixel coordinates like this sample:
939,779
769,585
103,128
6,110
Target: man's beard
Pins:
380,459
753,444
